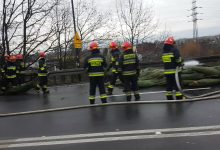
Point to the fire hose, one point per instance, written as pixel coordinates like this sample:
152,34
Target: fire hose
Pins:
207,95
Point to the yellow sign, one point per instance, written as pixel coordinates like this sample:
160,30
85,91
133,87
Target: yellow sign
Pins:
77,41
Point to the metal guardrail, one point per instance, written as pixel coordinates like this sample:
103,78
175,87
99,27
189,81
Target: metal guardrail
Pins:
67,72
55,73
200,59
66,76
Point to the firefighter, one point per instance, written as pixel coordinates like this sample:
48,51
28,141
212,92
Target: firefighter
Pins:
42,74
10,72
115,54
95,64
3,78
129,68
19,68
1,67
171,59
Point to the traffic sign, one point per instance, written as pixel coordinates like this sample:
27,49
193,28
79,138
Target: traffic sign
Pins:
77,41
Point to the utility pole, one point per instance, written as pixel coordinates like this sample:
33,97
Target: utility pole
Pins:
77,42
74,20
77,50
195,19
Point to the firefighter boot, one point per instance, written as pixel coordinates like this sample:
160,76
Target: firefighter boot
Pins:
103,98
92,100
110,90
169,95
137,96
170,98
128,98
45,90
38,88
179,95
3,89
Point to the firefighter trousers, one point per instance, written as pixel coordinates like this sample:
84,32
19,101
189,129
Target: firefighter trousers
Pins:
97,81
1,83
20,79
7,81
42,84
111,85
130,84
172,86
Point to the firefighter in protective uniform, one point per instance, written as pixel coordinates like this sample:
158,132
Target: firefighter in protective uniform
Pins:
129,68
10,69
1,67
42,74
114,64
95,64
20,68
171,59
3,78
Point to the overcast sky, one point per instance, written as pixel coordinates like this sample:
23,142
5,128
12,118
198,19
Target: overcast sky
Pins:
173,14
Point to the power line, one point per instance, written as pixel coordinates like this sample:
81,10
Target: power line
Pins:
195,19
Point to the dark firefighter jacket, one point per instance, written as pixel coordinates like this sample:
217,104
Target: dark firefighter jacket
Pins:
114,64
2,71
171,59
129,63
10,70
42,69
95,64
20,66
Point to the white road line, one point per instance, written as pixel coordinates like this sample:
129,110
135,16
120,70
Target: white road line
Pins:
122,133
157,92
104,135
110,139
142,93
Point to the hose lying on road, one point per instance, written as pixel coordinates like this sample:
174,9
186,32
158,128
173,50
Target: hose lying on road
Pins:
186,95
108,104
207,96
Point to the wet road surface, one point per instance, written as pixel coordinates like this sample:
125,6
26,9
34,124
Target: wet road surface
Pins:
79,129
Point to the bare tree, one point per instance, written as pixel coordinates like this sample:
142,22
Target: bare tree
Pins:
10,24
68,32
26,27
137,22
90,21
1,22
64,31
58,21
162,36
35,24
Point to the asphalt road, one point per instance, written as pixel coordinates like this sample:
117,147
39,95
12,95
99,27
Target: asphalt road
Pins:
190,125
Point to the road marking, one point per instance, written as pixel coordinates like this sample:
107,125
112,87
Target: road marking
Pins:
111,136
142,93
157,92
111,139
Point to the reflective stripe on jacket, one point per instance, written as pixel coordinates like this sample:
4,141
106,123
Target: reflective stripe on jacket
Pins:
95,64
10,70
42,70
171,59
129,63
